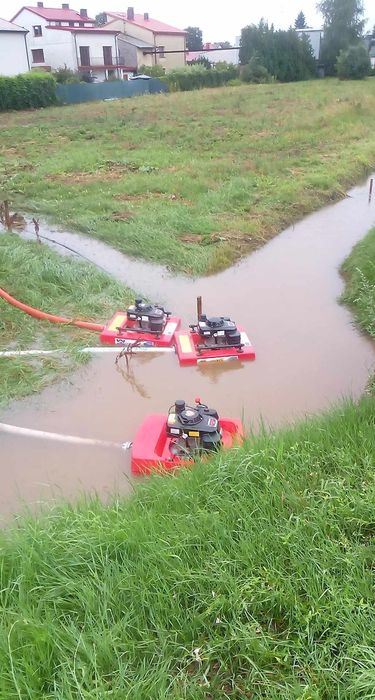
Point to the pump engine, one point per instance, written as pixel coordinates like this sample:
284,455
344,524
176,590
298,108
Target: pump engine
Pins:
217,332
147,318
193,429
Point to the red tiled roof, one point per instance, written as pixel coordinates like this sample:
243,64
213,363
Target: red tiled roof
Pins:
100,30
152,24
55,14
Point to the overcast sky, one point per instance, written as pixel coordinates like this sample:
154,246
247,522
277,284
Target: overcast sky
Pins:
222,24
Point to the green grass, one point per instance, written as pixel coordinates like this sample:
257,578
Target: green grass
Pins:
249,577
359,293
359,270
192,180
41,278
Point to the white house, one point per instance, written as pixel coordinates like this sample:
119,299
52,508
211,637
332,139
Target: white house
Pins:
315,37
64,37
13,50
214,54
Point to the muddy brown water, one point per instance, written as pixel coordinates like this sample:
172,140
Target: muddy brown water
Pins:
309,355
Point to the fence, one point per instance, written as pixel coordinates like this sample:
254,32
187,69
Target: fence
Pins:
109,90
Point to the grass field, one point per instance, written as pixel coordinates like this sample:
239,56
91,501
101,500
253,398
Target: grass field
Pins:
41,278
250,577
194,179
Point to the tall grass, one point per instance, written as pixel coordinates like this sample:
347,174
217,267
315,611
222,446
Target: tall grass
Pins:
191,182
247,577
41,278
359,270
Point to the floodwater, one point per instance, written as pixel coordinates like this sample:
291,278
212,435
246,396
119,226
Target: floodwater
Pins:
309,355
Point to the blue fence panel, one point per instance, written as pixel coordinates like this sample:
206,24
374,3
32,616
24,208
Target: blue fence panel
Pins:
109,90
156,85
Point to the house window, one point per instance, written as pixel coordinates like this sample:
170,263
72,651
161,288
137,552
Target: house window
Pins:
161,51
84,52
107,55
37,30
38,55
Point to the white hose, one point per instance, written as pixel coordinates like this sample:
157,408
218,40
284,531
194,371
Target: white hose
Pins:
57,437
89,351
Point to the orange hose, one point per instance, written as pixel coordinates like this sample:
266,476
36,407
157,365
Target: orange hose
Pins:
36,313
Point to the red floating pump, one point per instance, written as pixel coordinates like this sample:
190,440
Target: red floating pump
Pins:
146,324
166,442
213,338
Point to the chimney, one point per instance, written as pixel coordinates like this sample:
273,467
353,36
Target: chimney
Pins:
146,16
65,6
130,13
40,4
83,13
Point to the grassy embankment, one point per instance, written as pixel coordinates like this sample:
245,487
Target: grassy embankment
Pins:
249,577
41,278
194,179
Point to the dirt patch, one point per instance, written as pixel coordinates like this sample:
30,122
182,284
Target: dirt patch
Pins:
110,170
193,238
122,216
12,151
152,195
85,178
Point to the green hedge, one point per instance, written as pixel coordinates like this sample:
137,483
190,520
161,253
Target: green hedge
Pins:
195,77
27,90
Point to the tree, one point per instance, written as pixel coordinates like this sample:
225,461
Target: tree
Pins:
300,21
284,54
343,27
101,19
194,39
354,63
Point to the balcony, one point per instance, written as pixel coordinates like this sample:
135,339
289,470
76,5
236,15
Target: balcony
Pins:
98,63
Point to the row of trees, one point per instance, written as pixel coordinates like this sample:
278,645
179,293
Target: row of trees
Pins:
343,28
286,56
283,54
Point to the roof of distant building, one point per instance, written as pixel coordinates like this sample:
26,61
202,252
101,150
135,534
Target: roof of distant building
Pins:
6,26
152,24
56,14
86,30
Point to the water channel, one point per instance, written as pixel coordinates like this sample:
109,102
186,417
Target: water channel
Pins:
309,356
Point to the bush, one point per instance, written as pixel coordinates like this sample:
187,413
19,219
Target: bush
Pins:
153,71
27,90
196,77
354,63
255,72
201,61
66,75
